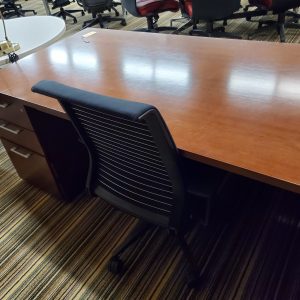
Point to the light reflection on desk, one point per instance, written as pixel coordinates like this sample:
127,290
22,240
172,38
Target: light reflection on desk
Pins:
84,60
80,59
289,88
252,83
160,73
58,56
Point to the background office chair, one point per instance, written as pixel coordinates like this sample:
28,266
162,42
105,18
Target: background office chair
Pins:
64,13
134,164
97,8
10,8
151,11
210,11
280,8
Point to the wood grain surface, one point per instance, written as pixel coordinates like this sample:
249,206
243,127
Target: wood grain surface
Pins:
230,103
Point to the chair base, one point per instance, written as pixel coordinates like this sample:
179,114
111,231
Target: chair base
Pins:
101,20
11,10
115,264
183,27
153,27
64,13
211,31
258,12
158,29
281,23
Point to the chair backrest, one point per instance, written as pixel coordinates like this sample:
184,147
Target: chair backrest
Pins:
96,5
214,9
130,6
134,163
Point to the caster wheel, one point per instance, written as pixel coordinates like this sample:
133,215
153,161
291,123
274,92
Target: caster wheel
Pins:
117,13
75,21
115,265
35,13
82,13
123,23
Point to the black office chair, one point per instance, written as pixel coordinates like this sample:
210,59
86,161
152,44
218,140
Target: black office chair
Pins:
210,11
64,13
97,9
134,164
10,8
281,8
151,11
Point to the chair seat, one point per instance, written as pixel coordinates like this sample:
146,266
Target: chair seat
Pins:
60,3
146,8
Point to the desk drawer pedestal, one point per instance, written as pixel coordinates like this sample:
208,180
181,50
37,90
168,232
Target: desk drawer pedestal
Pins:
44,149
31,166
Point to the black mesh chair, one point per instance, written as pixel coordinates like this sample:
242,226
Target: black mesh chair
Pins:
135,165
211,11
97,9
285,17
10,8
64,13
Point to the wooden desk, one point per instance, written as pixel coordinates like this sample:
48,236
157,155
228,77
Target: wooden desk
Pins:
228,103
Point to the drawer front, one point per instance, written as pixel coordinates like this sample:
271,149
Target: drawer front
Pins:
13,111
20,135
31,166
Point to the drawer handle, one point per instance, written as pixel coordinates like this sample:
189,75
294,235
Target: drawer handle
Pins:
3,105
24,155
10,130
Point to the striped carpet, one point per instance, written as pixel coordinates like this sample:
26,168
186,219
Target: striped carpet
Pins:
55,250
238,27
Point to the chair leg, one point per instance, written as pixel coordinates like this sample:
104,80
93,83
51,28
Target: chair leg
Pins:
90,23
101,19
115,264
67,14
140,229
193,272
280,27
150,23
116,12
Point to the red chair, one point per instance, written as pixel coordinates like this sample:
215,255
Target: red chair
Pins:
280,8
150,9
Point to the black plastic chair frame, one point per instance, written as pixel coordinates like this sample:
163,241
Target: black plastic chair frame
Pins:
145,131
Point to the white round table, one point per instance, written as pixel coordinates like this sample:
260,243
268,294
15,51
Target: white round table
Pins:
32,33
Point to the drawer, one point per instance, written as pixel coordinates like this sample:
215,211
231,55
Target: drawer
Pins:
31,167
13,111
20,136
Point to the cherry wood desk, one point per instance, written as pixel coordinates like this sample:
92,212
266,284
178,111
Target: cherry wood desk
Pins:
228,103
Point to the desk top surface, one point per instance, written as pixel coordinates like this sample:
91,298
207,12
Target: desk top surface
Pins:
32,33
229,103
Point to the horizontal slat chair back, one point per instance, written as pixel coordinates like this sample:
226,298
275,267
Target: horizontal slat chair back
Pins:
133,160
